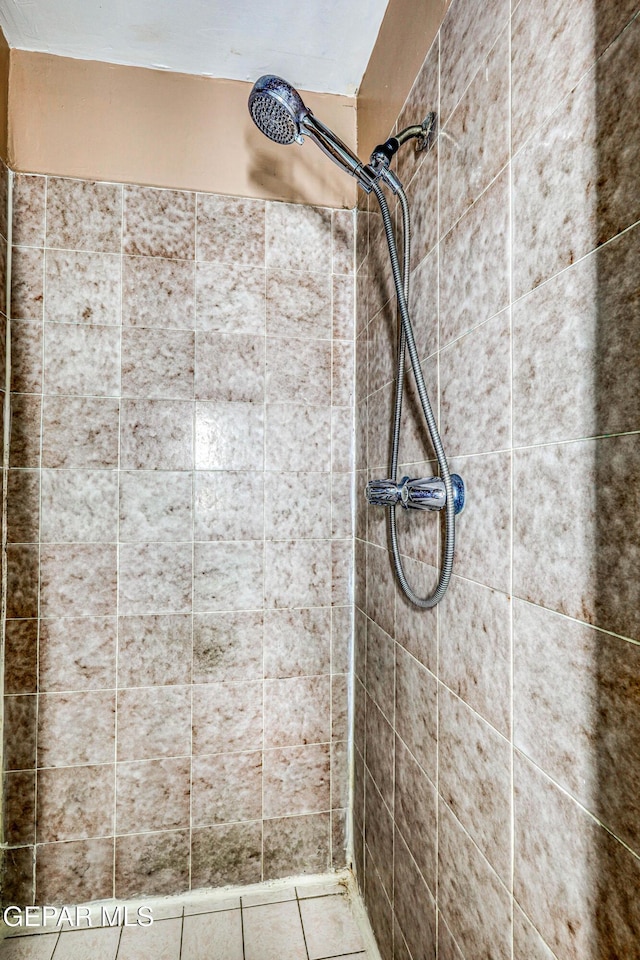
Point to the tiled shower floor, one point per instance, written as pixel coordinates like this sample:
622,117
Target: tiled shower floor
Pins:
315,922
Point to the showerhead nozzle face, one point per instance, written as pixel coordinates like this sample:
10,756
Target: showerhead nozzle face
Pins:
276,109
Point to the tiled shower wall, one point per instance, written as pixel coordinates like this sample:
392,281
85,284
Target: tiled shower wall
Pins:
497,806
180,540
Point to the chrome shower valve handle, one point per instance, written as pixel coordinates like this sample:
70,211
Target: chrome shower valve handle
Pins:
427,493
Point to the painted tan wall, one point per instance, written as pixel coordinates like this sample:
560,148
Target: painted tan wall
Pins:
4,94
103,121
406,33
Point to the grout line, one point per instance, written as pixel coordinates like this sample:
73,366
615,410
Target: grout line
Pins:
304,935
510,274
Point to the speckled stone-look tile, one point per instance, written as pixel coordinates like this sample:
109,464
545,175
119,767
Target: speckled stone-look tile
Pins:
27,283
230,298
79,506
447,947
26,356
475,649
22,581
86,646
298,303
474,778
600,532
380,669
152,795
527,942
23,506
155,578
230,230
160,365
227,646
379,750
83,215
618,134
475,396
382,338
156,435
380,588
77,579
158,293
552,47
229,436
82,287
474,264
379,910
155,505
342,365
20,732
422,194
226,787
298,237
466,37
343,307
154,650
297,573
25,430
62,715
576,713
415,908
21,655
227,717
296,711
28,210
74,872
378,835
296,642
228,576
20,808
416,710
422,100
154,864
474,145
140,737
298,371
483,530
576,346
306,448
297,505
159,223
476,906
296,780
228,505
75,802
82,360
415,809
230,367
80,432
228,853
572,878
342,238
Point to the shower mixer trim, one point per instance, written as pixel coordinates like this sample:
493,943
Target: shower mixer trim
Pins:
279,112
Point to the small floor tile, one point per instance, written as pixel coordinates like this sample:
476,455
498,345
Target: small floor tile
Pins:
273,932
30,948
216,936
329,927
161,941
89,944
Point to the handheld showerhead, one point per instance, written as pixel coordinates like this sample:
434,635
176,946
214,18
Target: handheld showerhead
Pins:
278,110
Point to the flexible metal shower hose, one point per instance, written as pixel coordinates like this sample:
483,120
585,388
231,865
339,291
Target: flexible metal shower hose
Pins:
407,341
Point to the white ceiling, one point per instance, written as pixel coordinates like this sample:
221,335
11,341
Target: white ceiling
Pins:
322,45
